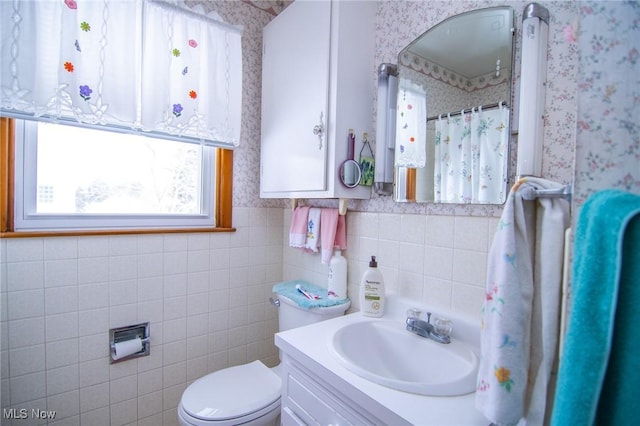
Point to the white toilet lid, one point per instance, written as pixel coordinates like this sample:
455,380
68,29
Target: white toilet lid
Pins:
232,392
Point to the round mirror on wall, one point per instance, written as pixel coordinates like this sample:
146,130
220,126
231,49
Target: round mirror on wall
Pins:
350,173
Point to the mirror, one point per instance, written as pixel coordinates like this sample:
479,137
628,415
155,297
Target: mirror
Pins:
350,173
453,112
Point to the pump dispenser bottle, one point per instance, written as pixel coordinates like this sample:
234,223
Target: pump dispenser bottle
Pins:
372,293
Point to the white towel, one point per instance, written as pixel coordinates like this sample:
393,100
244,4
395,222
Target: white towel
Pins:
520,313
313,230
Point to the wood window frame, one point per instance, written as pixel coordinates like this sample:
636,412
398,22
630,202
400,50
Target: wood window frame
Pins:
223,196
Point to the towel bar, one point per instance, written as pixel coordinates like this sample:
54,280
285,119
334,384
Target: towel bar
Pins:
342,205
562,192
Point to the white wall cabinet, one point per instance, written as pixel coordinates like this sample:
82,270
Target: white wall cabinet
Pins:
317,71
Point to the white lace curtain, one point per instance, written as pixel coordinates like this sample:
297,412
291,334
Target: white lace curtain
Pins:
137,65
469,154
411,125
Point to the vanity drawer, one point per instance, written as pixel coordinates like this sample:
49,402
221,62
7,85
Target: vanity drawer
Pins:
307,398
289,418
312,404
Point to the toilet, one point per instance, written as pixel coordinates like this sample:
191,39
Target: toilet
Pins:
249,394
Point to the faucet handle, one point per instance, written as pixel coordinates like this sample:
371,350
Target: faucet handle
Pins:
414,313
443,326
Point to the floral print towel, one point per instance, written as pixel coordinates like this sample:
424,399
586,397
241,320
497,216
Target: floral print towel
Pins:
521,307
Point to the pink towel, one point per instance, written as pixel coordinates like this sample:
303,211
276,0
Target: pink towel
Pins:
298,229
333,233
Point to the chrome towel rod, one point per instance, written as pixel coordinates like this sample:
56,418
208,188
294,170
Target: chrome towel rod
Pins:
565,192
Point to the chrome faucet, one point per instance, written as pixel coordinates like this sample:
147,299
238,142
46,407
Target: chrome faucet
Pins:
424,328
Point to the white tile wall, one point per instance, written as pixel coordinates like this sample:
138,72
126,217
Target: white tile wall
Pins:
439,260
205,295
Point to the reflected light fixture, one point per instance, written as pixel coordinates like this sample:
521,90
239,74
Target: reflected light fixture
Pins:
386,128
533,72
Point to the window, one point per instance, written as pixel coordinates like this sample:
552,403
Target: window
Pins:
73,178
174,78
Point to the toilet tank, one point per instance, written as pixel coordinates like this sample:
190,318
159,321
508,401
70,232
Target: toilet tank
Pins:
290,315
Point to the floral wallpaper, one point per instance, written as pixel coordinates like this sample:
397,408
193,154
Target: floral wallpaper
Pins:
270,6
585,38
608,130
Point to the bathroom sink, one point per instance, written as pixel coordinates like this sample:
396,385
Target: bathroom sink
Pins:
386,353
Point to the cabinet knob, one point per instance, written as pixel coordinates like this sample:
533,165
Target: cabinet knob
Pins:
318,130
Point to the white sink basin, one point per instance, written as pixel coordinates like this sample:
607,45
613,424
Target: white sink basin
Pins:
386,353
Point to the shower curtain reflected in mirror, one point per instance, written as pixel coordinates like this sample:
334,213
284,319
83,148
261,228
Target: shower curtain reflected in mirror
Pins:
469,154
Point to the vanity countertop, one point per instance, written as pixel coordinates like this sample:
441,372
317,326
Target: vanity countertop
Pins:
310,346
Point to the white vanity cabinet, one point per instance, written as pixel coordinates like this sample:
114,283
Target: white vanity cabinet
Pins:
319,389
317,76
308,399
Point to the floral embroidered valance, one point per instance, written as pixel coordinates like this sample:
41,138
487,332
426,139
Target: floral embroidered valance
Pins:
147,66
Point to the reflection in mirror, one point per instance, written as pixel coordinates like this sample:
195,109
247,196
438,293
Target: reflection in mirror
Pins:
452,122
350,173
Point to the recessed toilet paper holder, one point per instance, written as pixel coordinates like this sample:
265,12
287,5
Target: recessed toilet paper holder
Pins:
122,335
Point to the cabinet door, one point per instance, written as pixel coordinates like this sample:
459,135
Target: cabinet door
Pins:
295,87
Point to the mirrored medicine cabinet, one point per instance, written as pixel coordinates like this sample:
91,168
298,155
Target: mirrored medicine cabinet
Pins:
454,110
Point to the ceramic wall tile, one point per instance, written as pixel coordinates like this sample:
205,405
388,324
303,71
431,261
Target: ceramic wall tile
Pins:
93,247
470,267
440,231
25,332
93,397
61,248
66,406
28,387
58,273
93,296
60,300
25,304
438,262
23,249
67,352
87,347
93,270
62,379
471,233
30,359
427,270
24,275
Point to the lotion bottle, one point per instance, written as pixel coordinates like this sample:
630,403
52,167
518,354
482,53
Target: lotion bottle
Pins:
337,280
372,294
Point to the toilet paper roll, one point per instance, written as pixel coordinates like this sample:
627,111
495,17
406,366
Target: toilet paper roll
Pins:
127,348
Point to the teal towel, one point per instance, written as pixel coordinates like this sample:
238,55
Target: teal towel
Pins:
599,374
288,289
